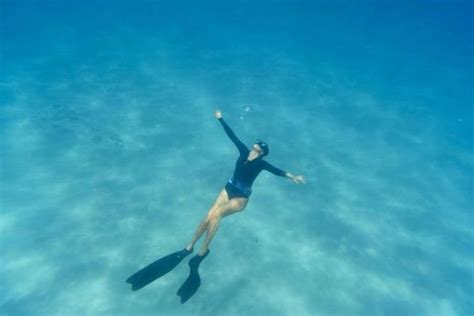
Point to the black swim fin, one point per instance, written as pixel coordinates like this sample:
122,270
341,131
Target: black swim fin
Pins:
193,282
156,269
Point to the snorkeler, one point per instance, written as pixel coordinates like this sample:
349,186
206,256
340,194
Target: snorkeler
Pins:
235,195
232,199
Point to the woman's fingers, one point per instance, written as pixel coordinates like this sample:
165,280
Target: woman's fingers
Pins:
299,179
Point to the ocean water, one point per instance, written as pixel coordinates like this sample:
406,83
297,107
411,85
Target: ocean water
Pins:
111,155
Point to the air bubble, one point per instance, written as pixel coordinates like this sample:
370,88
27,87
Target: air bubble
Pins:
246,109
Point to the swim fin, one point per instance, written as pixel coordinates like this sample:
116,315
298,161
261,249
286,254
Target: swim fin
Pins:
156,269
193,282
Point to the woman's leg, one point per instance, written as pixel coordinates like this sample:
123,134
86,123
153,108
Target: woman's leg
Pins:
199,231
213,219
222,198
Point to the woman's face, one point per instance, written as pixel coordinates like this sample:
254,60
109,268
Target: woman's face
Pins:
258,149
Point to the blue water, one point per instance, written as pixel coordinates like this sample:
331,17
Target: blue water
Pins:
111,155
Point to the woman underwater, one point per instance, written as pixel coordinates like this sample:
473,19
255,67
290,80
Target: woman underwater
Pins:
235,195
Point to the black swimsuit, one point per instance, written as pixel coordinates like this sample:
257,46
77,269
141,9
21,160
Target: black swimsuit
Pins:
245,171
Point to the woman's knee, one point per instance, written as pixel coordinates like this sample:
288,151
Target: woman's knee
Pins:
214,215
218,213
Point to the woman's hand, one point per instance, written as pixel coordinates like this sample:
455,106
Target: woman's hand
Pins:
218,114
296,179
299,180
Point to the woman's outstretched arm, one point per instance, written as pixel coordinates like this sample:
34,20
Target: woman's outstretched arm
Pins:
240,146
296,179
